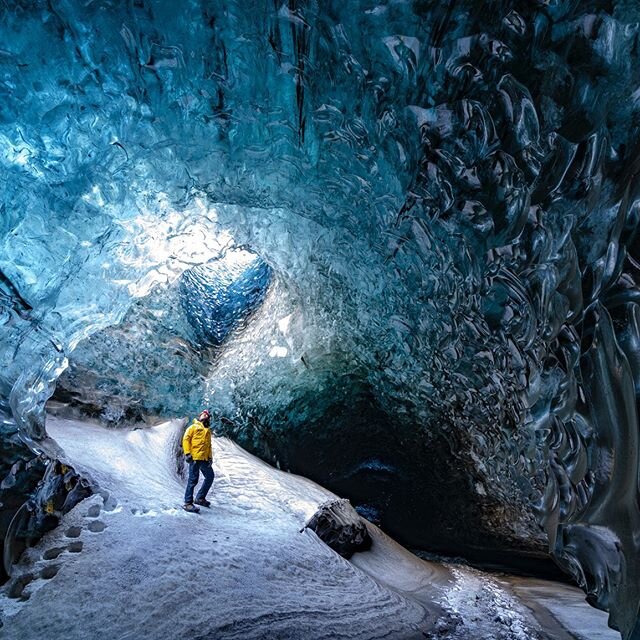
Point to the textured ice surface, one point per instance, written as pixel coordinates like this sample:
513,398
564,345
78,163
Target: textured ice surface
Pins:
218,295
447,197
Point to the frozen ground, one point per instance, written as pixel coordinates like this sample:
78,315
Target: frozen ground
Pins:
131,564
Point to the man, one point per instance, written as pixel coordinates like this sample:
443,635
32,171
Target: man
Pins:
196,444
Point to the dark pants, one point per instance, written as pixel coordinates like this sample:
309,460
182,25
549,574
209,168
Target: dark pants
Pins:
195,468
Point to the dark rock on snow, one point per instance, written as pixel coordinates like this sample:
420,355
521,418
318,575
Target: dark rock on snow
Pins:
338,524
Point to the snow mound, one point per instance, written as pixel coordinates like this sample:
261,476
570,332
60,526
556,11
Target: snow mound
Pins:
129,563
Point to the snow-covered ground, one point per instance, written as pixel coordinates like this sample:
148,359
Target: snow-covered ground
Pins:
129,563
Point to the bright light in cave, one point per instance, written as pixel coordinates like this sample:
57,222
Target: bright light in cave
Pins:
236,261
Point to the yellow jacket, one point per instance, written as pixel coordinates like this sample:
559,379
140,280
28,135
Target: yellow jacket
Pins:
197,441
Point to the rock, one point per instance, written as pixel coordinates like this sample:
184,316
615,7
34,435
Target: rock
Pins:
338,525
57,492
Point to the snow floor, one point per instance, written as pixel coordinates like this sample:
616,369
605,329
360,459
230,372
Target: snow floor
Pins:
129,563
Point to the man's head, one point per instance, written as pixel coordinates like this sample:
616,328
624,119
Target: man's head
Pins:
205,418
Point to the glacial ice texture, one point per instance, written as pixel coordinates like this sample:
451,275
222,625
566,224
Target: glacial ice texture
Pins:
218,295
447,198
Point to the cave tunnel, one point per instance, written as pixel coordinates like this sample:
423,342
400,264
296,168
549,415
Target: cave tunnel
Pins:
391,246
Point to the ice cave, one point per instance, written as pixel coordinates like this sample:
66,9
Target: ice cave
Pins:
392,247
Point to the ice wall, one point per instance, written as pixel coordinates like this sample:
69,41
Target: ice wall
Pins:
446,193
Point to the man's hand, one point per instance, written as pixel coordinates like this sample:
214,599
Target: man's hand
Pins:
189,458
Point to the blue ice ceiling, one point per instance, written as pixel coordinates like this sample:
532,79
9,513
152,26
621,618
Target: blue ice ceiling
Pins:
218,295
446,196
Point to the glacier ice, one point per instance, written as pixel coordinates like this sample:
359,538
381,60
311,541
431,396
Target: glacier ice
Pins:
218,295
447,201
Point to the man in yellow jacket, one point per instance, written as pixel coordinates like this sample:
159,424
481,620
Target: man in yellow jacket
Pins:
196,444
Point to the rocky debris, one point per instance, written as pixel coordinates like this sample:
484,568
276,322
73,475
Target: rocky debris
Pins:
20,471
339,526
60,489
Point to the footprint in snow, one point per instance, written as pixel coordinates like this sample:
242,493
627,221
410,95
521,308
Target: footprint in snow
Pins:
50,571
93,511
54,552
97,526
17,586
73,532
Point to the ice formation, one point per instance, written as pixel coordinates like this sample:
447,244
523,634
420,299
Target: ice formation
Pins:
446,197
218,295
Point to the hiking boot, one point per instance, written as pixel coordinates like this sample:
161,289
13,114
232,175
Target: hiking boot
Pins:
190,508
203,502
